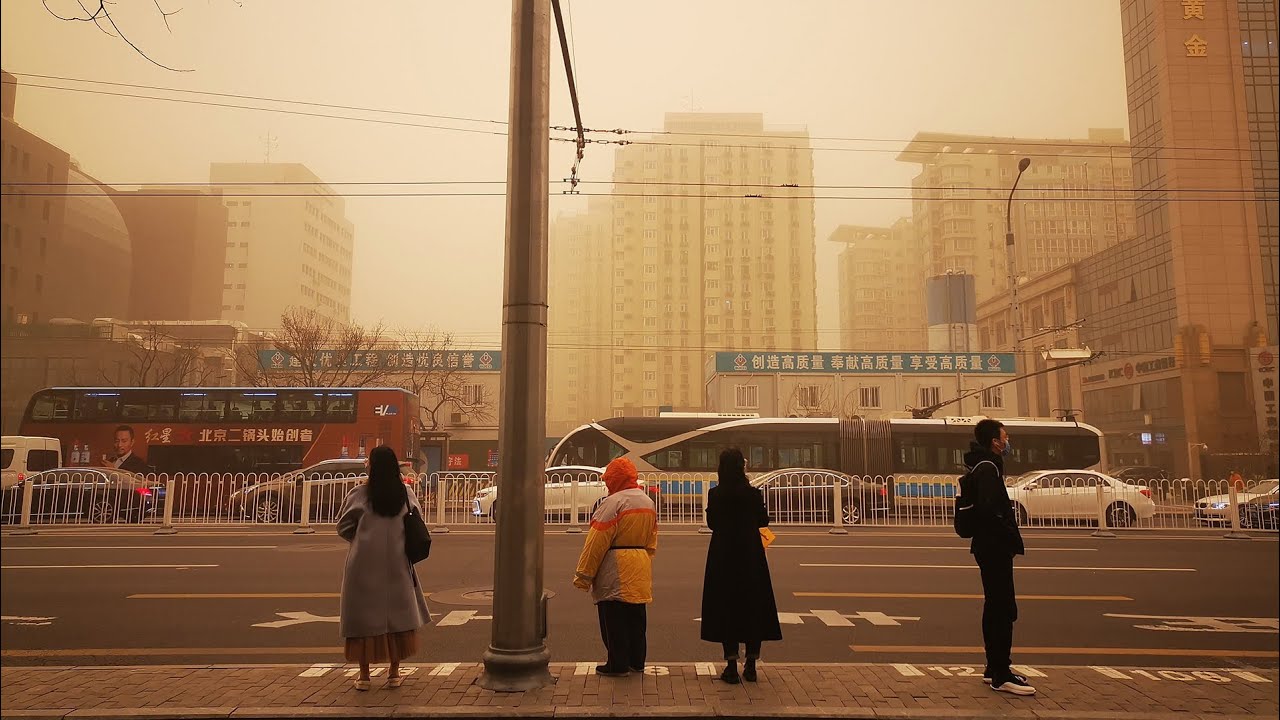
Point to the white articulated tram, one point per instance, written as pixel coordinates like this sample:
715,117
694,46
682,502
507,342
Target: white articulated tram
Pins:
914,459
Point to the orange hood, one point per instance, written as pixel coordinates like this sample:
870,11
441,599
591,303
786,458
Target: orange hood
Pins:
620,475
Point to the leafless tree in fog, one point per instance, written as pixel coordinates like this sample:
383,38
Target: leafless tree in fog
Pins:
810,401
157,359
442,384
318,351
103,19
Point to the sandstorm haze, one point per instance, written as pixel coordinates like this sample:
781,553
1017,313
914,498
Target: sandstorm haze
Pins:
840,69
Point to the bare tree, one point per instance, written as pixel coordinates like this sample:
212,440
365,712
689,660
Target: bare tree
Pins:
444,381
102,17
313,350
157,359
811,401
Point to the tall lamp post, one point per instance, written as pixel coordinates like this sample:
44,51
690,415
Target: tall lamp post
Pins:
1015,309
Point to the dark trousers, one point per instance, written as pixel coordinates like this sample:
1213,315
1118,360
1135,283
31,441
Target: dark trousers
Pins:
731,650
622,628
999,609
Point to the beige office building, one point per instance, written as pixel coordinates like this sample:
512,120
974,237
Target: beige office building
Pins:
881,281
1074,200
289,243
580,315
710,250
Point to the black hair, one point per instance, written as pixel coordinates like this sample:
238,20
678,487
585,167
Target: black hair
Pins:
126,428
733,467
987,431
387,493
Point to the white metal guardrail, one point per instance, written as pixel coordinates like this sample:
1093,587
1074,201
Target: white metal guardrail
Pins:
809,497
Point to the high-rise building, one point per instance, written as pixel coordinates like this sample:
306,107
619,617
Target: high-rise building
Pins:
283,249
579,317
1179,308
179,239
1073,201
66,251
881,280
712,249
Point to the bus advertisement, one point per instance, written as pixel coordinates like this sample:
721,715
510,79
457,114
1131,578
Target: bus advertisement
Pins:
222,430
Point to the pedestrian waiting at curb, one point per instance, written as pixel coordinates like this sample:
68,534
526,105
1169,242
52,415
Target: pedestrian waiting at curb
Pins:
616,565
738,606
996,540
382,605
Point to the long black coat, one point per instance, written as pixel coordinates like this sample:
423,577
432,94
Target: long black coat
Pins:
737,593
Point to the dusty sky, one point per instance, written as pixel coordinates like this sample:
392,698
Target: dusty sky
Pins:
845,68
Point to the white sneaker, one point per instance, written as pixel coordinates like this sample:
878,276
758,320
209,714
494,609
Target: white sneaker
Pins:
1014,685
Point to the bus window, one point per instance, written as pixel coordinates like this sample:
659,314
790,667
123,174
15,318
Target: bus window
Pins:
340,407
97,406
300,406
704,456
202,406
671,458
144,405
252,406
588,447
800,452
51,405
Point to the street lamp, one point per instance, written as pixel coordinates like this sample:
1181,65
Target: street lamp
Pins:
1012,259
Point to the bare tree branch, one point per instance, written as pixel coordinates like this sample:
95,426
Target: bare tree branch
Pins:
165,15
101,13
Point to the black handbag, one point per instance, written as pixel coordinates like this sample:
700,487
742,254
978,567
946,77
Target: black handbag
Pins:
417,539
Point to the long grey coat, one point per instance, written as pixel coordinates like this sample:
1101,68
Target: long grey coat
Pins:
380,590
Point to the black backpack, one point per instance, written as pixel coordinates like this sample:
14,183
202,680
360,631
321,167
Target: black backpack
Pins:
965,519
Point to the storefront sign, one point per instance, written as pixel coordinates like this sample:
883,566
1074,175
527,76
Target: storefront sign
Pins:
1262,366
389,360
459,462
875,363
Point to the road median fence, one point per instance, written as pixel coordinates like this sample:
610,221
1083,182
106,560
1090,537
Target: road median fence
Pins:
799,497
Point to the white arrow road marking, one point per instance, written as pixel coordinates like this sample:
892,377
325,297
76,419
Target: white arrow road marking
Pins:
24,620
461,617
296,618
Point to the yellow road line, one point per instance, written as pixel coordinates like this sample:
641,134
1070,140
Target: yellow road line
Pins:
959,596
1164,652
236,596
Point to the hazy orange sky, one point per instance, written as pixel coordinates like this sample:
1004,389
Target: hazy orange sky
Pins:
847,68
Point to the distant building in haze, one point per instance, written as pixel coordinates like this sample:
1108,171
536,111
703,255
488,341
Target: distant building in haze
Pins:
881,282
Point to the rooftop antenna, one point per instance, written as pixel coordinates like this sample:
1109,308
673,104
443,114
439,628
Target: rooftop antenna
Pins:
270,142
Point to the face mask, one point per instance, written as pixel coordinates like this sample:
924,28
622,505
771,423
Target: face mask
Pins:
1008,445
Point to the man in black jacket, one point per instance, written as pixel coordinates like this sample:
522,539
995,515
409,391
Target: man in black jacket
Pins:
995,542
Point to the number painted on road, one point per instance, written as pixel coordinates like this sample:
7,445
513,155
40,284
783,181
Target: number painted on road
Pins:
1220,676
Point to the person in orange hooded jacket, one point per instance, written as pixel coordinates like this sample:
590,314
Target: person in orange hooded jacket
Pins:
616,565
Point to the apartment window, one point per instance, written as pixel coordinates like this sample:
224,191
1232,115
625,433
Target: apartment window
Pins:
650,375
930,396
473,395
746,397
244,224
869,397
809,396
993,398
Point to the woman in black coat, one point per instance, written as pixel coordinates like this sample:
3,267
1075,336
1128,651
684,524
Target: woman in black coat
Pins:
737,594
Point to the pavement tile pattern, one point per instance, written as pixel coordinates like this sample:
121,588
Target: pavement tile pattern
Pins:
677,690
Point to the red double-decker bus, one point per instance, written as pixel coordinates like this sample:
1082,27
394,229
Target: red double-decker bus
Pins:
219,429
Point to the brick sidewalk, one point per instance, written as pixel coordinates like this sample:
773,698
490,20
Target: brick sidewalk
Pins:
677,690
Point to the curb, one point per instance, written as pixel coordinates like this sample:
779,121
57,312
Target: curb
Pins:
727,712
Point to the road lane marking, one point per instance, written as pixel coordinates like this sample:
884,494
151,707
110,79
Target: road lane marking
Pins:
907,670
444,669
977,649
297,618
919,547
318,670
1017,567
101,567
27,620
959,596
240,596
140,547
1251,677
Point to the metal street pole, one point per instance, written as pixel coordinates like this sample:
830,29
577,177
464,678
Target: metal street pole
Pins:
517,657
1015,309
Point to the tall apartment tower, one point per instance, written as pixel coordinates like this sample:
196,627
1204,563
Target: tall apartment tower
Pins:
1074,200
882,293
289,243
712,249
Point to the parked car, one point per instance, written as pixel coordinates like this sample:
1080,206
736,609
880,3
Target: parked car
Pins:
1215,509
90,495
1140,474
808,495
23,455
1073,494
1260,512
558,492
279,499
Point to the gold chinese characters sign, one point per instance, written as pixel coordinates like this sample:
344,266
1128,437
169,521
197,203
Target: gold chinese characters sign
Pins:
1196,45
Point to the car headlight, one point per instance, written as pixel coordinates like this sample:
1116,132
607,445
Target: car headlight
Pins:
1218,506
486,492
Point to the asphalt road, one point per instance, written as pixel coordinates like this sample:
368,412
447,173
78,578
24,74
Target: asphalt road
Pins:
124,597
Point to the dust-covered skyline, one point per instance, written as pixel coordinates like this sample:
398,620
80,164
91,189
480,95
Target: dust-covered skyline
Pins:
841,69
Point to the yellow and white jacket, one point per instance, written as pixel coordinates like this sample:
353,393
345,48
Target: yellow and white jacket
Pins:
617,558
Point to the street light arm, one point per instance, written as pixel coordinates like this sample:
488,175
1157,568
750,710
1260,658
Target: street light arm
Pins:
1008,207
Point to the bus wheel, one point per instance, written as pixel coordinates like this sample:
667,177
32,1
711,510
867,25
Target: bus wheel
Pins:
852,513
1023,517
267,509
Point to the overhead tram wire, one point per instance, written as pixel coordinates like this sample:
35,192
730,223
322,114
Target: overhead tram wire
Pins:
581,141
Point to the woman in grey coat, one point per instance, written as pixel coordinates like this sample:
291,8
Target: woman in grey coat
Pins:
382,603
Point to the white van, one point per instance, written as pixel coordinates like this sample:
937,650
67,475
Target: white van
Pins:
25,455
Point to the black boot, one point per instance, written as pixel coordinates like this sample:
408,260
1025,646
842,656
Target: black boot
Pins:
730,674
749,670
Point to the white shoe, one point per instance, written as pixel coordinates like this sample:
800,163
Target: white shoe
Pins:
1014,685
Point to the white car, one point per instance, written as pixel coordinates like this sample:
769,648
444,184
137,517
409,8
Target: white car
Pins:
1216,509
1073,494
558,491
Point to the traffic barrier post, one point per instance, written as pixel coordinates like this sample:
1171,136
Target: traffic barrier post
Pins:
1102,530
441,486
706,494
838,511
573,508
1234,513
304,526
24,519
166,526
